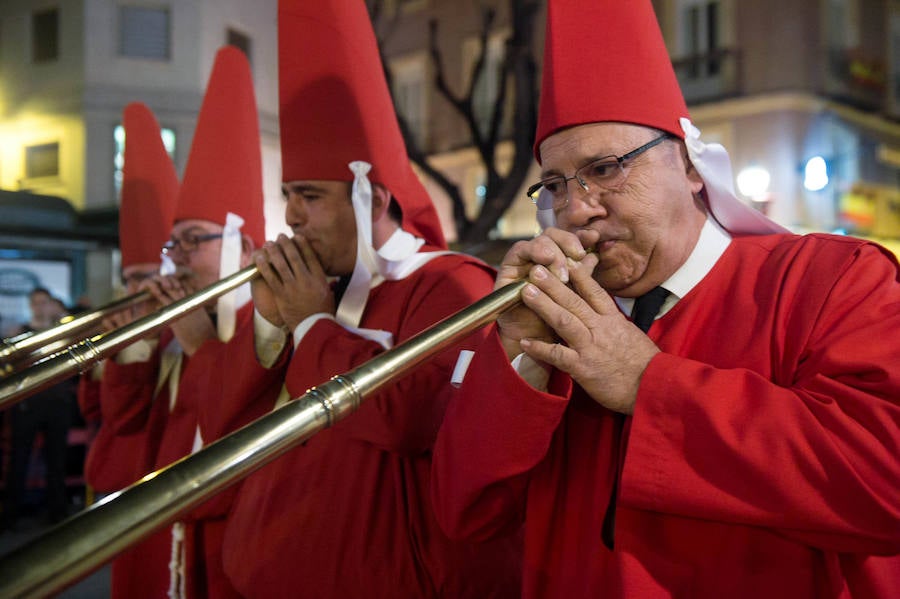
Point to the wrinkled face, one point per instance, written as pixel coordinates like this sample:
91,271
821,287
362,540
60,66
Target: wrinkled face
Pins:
321,212
202,257
643,230
133,275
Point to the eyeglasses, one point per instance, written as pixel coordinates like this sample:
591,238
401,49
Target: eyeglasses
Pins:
188,243
604,174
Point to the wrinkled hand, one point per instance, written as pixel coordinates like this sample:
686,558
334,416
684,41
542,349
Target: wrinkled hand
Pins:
550,249
602,351
195,327
293,285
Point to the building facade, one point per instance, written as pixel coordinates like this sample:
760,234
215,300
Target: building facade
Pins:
67,70
805,94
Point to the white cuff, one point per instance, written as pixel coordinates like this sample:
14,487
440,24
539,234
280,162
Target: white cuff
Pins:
268,339
534,373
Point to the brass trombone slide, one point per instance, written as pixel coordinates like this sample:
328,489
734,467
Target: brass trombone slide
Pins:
79,357
84,542
30,347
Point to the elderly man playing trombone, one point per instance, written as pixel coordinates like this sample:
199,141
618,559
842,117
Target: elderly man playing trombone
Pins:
739,438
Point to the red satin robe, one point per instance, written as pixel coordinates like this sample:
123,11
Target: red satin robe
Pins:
139,434
347,513
761,459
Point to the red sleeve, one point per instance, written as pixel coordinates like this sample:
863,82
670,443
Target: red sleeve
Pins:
126,394
89,398
815,460
497,429
121,451
232,388
115,461
405,417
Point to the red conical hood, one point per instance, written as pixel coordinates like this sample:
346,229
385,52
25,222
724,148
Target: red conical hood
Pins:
605,60
336,108
224,169
149,189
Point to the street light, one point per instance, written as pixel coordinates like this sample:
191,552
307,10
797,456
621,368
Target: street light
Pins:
815,174
753,182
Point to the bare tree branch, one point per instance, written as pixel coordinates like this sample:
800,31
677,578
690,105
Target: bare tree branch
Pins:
519,66
413,150
519,62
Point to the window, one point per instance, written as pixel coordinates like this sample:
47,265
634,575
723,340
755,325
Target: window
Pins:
168,137
239,40
144,32
894,62
42,160
408,6
409,95
45,35
701,22
842,23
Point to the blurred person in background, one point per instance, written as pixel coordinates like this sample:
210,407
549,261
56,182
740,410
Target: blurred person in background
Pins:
48,413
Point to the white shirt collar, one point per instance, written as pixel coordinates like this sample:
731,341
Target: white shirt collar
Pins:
710,246
400,245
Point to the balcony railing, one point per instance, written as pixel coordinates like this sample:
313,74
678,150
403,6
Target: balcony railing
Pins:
709,76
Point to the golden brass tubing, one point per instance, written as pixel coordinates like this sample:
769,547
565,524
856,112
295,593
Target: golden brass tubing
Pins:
79,357
15,348
86,541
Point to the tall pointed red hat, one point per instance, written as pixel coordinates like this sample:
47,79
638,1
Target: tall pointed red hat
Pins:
606,61
336,108
224,169
149,189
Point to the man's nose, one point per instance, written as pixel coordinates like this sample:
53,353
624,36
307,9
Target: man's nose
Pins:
179,256
583,206
295,214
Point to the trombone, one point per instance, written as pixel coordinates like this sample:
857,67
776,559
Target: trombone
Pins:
86,541
81,356
21,350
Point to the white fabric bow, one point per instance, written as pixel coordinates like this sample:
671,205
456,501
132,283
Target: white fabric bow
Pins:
714,167
230,263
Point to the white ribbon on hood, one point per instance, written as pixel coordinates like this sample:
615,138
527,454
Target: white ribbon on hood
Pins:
714,167
230,263
166,265
396,260
350,311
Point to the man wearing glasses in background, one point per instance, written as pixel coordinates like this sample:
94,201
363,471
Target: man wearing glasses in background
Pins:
739,435
154,389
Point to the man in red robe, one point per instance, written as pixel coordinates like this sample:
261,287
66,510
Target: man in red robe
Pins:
155,389
744,446
347,514
149,192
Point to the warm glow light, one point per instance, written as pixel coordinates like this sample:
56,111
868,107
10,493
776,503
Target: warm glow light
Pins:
815,174
753,182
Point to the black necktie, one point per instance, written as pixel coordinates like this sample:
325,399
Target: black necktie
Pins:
643,314
647,307
338,287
